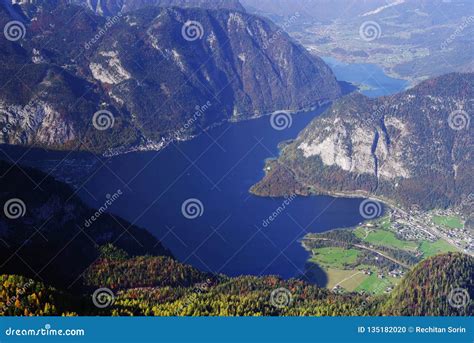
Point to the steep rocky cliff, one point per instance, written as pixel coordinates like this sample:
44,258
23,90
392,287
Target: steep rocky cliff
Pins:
112,7
415,148
155,74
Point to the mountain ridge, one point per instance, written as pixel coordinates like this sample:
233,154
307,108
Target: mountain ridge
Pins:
240,296
149,77
395,147
47,232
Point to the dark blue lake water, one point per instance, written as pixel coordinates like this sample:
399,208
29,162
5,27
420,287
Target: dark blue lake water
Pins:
216,168
370,75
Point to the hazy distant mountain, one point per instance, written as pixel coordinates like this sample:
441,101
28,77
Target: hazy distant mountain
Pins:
112,7
161,73
323,10
332,10
414,148
108,8
414,39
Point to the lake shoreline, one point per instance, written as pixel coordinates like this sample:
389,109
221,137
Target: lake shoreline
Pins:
162,144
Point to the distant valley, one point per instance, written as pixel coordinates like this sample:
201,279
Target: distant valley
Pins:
236,158
412,40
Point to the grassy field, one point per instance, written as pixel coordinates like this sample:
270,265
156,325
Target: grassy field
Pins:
336,263
440,246
334,257
340,264
449,221
384,238
372,284
352,278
